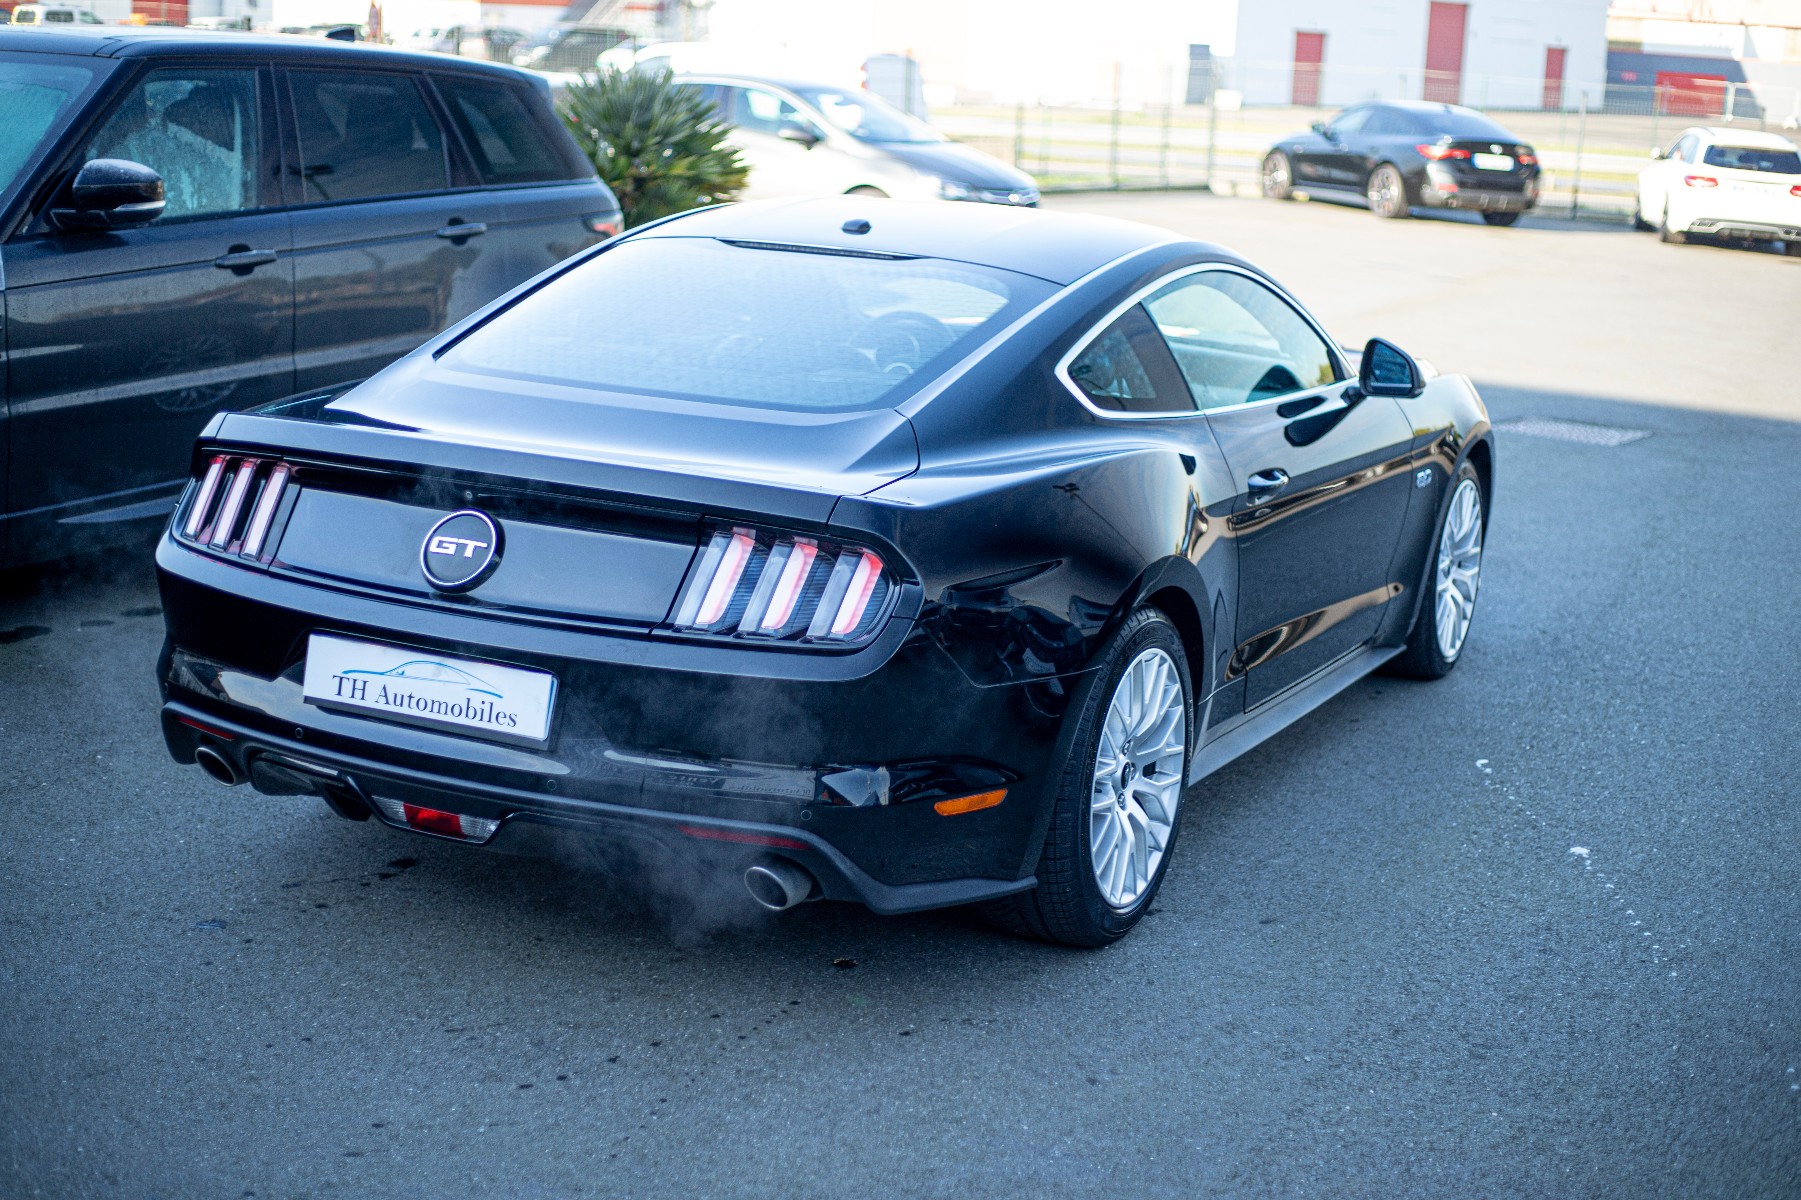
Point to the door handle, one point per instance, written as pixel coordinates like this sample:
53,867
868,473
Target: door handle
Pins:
244,259
1266,483
458,230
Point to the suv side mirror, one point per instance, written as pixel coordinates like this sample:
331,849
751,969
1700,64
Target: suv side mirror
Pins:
1388,370
110,193
798,133
1656,153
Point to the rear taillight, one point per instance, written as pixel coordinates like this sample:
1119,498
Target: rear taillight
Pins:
1700,181
1438,153
753,584
1796,190
605,224
234,506
1526,158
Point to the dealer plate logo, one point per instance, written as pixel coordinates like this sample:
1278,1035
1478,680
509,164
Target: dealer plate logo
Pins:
461,551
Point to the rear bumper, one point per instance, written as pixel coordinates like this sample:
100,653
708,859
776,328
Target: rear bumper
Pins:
846,755
1441,190
1774,230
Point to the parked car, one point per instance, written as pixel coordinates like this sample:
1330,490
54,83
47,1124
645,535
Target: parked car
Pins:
811,139
53,14
567,48
161,263
1727,183
1399,155
908,554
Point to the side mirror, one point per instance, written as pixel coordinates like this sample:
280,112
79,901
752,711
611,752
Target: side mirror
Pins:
110,193
800,134
1388,370
1656,152
1319,127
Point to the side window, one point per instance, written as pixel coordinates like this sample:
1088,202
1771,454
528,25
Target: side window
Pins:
764,112
506,139
364,134
201,130
1386,122
1127,368
1684,149
1350,122
1236,341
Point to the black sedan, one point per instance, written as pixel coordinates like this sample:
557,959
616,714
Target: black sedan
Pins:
915,555
1401,154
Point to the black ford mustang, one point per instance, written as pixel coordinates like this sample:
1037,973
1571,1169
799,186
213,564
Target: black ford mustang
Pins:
913,555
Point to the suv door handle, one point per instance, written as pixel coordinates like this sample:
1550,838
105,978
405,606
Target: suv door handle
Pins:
1266,483
462,229
244,259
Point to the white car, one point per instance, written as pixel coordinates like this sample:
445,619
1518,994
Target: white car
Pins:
813,139
1730,183
53,14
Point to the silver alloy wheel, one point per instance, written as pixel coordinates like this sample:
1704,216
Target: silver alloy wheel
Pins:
1275,174
1385,190
1459,568
1138,776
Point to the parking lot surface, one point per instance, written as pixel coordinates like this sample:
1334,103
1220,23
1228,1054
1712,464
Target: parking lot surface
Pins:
1532,930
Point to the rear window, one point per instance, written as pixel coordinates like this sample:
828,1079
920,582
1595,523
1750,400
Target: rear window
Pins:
1754,158
508,142
701,319
1460,123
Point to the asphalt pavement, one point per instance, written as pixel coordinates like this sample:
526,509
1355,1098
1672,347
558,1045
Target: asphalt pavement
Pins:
1534,930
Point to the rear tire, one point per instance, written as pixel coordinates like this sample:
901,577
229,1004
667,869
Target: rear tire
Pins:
1500,218
1666,234
1278,176
1792,249
1387,193
1638,219
1133,755
1453,578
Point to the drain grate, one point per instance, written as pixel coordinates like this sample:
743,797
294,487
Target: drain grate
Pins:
1580,432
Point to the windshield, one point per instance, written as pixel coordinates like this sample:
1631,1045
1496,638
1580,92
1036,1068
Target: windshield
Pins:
38,97
1754,158
768,327
867,117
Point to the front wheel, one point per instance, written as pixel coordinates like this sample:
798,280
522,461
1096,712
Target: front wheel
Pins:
1387,193
1113,823
1278,177
1442,625
1500,218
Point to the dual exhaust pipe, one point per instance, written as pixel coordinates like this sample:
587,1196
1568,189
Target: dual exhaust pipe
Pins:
774,883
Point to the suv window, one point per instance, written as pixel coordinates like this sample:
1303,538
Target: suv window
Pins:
1237,342
365,134
1754,158
504,137
1127,369
37,97
1684,149
200,129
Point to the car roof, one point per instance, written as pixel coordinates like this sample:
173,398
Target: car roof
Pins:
1058,247
126,41
781,81
1743,137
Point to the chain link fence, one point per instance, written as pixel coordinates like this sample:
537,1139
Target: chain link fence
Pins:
1591,139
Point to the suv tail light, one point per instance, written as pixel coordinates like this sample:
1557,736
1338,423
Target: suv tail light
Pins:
1700,181
234,505
755,584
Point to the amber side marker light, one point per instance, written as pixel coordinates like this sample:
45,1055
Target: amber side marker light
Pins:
965,804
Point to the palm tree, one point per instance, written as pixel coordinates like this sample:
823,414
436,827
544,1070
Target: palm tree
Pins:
657,144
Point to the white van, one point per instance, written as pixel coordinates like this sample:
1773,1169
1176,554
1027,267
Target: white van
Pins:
54,14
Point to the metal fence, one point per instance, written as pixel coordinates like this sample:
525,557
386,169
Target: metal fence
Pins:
1592,140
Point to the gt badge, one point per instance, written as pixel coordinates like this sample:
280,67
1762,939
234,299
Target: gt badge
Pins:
461,551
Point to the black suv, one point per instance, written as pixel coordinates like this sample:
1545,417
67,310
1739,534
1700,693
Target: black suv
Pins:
192,222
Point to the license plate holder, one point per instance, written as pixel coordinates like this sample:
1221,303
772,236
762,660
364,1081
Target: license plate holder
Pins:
435,691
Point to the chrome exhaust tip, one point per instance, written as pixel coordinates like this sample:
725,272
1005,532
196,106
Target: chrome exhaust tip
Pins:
216,765
778,884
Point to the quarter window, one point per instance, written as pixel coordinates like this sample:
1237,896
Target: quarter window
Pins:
1127,368
364,134
1237,342
506,140
201,130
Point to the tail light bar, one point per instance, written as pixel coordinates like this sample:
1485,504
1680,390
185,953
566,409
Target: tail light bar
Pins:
1438,153
754,584
1700,181
235,505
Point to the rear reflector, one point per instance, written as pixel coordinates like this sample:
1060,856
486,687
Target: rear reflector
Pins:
222,734
743,837
434,820
966,804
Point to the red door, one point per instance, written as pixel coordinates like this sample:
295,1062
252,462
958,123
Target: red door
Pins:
1685,94
1309,53
1553,79
1444,51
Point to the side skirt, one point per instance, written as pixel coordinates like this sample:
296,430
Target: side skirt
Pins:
1258,726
